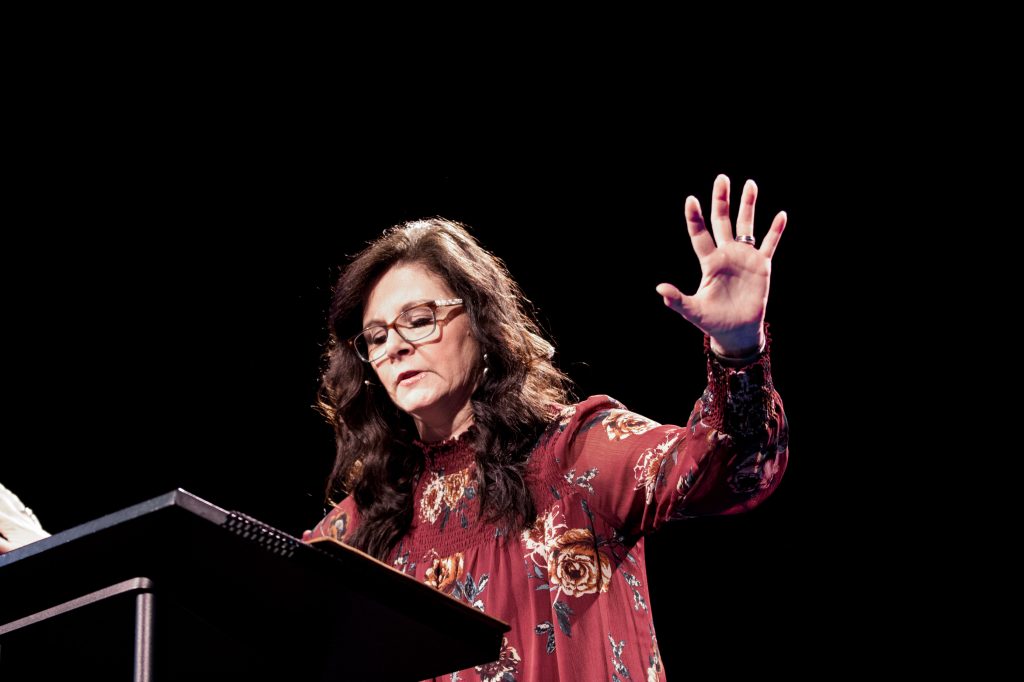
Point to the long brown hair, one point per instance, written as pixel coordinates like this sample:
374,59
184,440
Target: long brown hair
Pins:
376,460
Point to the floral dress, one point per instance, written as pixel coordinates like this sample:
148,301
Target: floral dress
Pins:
573,584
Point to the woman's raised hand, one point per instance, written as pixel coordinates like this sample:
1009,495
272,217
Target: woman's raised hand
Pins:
730,303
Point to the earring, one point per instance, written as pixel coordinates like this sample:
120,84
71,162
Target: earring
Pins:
485,364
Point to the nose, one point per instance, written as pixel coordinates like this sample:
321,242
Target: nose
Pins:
396,345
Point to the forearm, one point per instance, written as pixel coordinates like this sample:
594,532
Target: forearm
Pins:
738,445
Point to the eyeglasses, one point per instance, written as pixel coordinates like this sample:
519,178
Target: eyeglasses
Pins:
414,324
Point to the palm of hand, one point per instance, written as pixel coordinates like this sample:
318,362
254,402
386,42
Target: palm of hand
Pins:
730,303
733,291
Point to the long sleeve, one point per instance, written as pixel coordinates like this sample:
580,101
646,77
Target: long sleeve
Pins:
728,456
572,583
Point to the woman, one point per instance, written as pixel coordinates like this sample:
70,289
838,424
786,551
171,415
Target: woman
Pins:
466,466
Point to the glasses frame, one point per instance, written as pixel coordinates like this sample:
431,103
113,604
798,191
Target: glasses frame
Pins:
433,305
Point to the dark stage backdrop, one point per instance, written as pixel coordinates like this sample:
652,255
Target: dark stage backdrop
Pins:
166,314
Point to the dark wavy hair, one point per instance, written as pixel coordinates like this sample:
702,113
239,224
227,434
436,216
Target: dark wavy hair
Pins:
376,460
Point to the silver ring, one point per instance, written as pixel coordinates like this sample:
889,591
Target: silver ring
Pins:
745,239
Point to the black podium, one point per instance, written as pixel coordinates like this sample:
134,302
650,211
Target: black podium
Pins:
176,588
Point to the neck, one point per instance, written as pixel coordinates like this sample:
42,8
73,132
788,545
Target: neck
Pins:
442,429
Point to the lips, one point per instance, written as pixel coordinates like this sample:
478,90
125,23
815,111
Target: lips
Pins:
405,375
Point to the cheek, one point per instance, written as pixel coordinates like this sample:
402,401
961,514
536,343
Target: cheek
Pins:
382,381
469,358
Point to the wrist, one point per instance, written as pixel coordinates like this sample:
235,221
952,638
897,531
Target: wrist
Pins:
748,347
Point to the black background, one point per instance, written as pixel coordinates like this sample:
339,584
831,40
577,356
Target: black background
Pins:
166,291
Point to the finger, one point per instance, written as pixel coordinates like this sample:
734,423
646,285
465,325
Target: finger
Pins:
771,240
745,219
703,244
674,299
720,222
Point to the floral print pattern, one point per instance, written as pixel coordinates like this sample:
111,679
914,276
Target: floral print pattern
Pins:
634,583
570,562
539,538
469,590
576,567
339,526
444,573
401,562
565,416
446,494
505,668
583,480
621,671
573,583
621,424
654,660
433,499
649,471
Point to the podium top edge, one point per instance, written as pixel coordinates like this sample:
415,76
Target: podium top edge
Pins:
178,497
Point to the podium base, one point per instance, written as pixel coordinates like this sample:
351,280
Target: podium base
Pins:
109,635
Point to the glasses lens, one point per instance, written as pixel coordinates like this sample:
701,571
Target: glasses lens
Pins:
370,344
412,325
416,323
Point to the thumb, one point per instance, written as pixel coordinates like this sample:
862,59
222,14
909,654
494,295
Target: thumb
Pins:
674,299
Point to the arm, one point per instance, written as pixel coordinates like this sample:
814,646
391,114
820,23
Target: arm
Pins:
727,457
742,447
339,523
748,436
733,449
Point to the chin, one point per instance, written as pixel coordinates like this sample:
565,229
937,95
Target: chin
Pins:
416,404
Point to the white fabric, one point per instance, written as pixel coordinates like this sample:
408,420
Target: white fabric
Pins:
17,522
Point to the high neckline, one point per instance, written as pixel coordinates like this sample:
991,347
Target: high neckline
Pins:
449,450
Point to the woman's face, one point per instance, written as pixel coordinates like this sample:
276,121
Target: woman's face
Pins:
438,373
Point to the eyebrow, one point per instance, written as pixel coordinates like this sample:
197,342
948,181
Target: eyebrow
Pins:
407,306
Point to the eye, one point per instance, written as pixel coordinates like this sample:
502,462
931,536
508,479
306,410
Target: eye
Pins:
377,336
418,317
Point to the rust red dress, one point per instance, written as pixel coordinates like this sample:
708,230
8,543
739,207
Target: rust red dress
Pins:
573,585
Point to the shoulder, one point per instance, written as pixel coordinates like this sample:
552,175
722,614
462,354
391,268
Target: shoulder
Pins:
599,421
597,411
